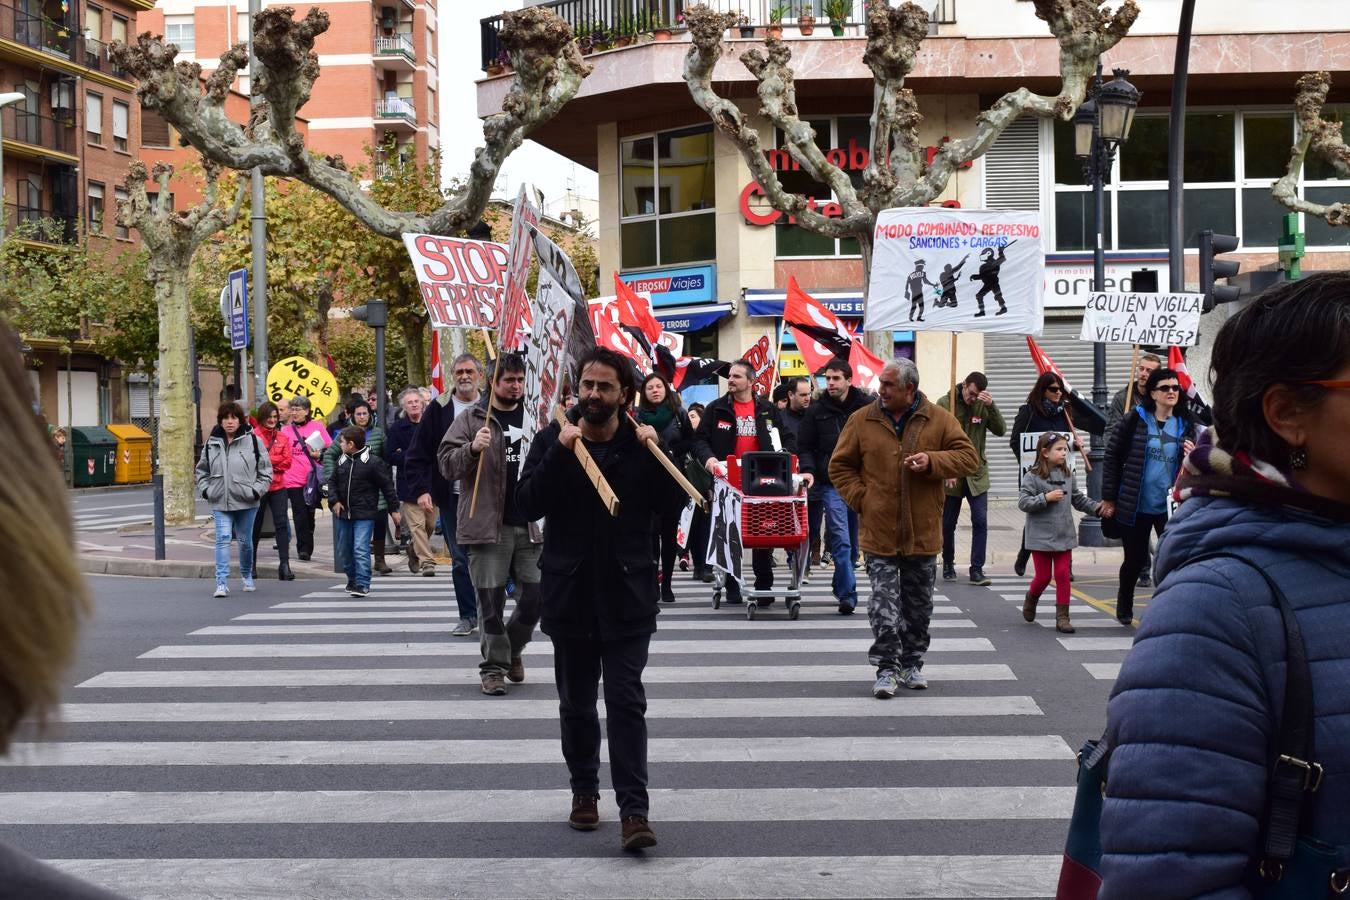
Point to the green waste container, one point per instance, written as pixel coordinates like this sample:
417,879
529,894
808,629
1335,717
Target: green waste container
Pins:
93,456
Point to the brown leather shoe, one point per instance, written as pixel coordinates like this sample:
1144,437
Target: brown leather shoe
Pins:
637,834
493,685
1029,607
517,671
585,812
1062,623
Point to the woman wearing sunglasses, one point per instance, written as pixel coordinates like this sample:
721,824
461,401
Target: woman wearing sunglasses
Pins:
1046,409
1143,457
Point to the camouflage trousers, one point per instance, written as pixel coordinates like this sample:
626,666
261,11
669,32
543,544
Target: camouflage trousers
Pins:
900,609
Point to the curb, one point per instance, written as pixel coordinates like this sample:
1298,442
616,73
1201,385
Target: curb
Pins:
172,568
109,489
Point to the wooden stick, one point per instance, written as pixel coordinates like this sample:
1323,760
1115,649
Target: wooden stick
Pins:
777,361
1134,367
952,381
699,500
487,342
492,395
592,470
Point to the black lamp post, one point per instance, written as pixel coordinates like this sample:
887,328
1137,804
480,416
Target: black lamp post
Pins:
1101,125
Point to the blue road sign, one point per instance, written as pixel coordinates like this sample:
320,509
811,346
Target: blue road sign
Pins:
237,302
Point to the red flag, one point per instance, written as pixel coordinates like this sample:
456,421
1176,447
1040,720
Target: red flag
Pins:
607,334
819,334
1177,362
437,376
634,310
866,366
692,370
1045,363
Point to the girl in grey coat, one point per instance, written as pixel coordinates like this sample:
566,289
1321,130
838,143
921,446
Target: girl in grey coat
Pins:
1050,533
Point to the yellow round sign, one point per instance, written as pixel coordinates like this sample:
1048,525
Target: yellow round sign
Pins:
297,376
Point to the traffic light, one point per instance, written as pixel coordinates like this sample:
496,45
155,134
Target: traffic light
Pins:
1211,246
375,314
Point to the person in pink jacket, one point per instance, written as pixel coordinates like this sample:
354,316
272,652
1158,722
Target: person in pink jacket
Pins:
304,460
280,449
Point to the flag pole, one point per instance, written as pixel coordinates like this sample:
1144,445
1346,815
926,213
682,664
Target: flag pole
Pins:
1129,390
492,395
592,470
777,359
951,399
655,448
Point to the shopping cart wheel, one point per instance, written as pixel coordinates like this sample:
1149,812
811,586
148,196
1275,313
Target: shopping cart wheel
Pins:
751,607
794,611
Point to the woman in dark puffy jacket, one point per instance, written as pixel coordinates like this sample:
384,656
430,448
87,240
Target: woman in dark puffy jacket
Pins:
1046,409
660,407
1194,713
1143,458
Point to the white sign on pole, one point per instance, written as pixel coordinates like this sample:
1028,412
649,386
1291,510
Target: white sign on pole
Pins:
937,269
463,282
1159,319
1027,452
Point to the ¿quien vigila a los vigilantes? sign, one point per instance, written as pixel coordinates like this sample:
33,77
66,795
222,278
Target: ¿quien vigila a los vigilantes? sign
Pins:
956,270
1158,319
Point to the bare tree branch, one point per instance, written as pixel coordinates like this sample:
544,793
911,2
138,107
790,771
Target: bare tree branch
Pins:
1321,137
548,72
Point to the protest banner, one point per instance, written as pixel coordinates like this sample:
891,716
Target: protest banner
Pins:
463,282
937,269
1159,319
515,320
296,376
724,529
1026,455
549,350
760,355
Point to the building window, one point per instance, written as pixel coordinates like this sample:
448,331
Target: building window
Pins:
93,117
154,129
121,124
668,211
180,30
93,22
95,206
119,29
1232,159
120,230
853,136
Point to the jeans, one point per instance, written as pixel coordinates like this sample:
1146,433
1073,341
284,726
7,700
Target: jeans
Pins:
353,547
275,501
465,597
815,514
1135,538
979,526
841,535
237,523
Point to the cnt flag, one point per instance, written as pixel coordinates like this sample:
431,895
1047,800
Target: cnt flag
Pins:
692,370
820,335
437,375
609,335
1086,413
634,310
866,366
1176,361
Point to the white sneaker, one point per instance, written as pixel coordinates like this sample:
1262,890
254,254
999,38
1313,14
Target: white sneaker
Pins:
221,591
886,685
913,678
249,586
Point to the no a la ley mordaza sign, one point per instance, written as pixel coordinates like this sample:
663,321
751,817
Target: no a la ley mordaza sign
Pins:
937,269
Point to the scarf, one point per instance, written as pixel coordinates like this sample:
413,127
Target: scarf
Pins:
658,418
1211,471
1050,408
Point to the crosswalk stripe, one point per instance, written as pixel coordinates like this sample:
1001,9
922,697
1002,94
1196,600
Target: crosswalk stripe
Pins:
874,804
537,751
667,612
542,649
838,622
379,593
656,674
1103,671
1095,643
1084,622
733,877
487,710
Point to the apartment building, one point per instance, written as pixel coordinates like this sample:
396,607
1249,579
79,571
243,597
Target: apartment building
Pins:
378,71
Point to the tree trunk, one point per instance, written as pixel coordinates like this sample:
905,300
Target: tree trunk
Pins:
414,353
176,426
318,331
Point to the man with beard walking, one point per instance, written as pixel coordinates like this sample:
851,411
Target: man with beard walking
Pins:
599,590
503,541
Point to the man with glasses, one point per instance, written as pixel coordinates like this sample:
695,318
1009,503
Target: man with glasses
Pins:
433,490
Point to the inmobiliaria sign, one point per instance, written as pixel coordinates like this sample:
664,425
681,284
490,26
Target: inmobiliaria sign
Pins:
853,158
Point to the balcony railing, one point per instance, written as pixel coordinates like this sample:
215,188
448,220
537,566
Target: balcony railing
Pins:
396,108
395,45
34,129
42,225
599,23
56,38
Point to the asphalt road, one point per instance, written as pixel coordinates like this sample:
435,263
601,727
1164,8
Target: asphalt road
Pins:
108,511
320,747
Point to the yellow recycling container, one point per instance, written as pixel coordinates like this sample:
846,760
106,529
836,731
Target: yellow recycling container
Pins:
133,454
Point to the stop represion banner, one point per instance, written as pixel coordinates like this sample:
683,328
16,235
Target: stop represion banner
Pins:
936,269
463,282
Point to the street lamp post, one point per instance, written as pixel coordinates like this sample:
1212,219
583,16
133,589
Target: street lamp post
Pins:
5,100
1101,125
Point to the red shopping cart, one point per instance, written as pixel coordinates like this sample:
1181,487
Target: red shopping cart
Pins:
773,516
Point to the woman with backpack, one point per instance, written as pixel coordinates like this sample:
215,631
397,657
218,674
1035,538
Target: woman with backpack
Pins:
267,425
660,407
304,479
1229,773
233,474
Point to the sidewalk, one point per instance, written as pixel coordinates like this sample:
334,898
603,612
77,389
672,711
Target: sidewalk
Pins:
190,549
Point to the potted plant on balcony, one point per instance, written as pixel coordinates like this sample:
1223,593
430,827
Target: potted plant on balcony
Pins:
660,29
743,24
500,64
624,31
838,11
807,23
776,14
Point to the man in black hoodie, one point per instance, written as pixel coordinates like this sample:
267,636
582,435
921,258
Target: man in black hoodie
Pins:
819,433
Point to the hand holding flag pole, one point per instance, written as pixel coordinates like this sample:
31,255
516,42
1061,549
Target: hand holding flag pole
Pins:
592,470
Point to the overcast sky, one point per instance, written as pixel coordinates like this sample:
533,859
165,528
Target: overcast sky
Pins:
461,130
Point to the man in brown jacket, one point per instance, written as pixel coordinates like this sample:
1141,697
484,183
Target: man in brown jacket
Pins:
889,465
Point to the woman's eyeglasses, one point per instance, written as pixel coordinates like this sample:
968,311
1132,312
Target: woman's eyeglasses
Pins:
1054,389
1169,388
1330,385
